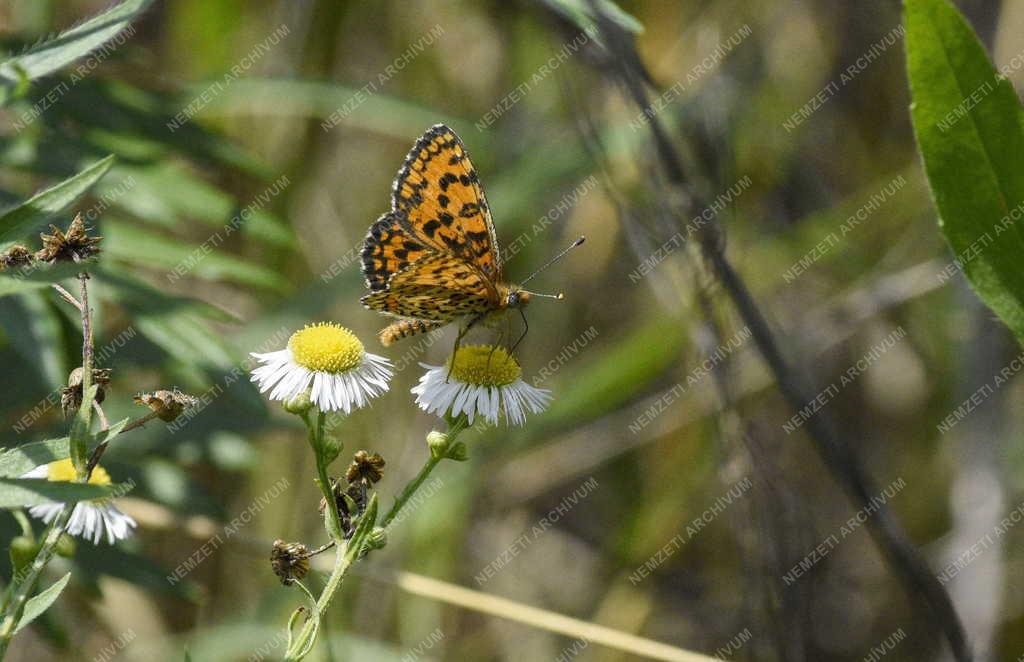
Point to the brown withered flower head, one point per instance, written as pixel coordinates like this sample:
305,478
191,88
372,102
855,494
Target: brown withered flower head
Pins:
168,405
289,560
351,502
14,257
71,395
365,467
75,245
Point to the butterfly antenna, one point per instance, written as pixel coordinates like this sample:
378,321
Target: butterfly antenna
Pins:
552,261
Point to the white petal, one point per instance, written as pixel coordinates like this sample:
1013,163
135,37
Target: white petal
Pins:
42,471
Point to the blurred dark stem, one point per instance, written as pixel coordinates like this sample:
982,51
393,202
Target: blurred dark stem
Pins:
836,452
779,622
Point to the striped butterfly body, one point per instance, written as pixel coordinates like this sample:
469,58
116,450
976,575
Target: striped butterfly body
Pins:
433,259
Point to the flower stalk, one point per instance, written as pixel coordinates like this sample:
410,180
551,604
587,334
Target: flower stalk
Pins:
26,577
23,586
348,551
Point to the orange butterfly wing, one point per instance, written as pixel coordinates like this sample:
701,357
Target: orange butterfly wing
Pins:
441,203
440,287
388,249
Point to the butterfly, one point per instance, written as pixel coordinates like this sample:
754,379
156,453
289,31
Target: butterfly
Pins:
434,258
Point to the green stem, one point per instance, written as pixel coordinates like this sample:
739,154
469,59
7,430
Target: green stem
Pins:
83,280
316,439
410,490
347,552
304,642
455,427
23,586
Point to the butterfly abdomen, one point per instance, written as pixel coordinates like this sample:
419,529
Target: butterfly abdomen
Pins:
405,328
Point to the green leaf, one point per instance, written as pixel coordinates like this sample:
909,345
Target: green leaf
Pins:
15,462
167,193
39,603
25,492
126,289
624,369
41,339
357,543
140,246
68,46
379,113
39,276
967,121
40,208
81,435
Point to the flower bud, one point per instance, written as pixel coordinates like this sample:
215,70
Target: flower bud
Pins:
438,443
23,550
300,404
65,546
377,539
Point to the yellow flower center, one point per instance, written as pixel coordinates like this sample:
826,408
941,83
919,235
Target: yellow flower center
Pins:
326,347
63,470
485,365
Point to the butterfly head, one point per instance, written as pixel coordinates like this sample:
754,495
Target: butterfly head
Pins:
517,297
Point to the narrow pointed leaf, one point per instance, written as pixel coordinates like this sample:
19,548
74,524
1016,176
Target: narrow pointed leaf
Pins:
68,46
967,121
26,492
33,214
15,462
37,604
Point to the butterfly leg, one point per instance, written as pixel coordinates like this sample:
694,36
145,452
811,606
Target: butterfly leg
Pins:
526,329
458,340
505,332
501,338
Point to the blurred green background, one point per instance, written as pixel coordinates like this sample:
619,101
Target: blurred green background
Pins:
294,116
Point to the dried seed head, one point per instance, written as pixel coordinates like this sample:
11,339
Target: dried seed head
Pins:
71,395
75,245
14,257
168,405
365,467
289,560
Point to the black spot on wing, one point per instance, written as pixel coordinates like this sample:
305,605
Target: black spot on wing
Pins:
447,179
430,228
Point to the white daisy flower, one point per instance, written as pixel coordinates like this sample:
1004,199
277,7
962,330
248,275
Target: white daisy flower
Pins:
330,362
90,519
486,381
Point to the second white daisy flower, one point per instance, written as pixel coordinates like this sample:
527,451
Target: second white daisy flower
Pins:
330,362
90,520
486,382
